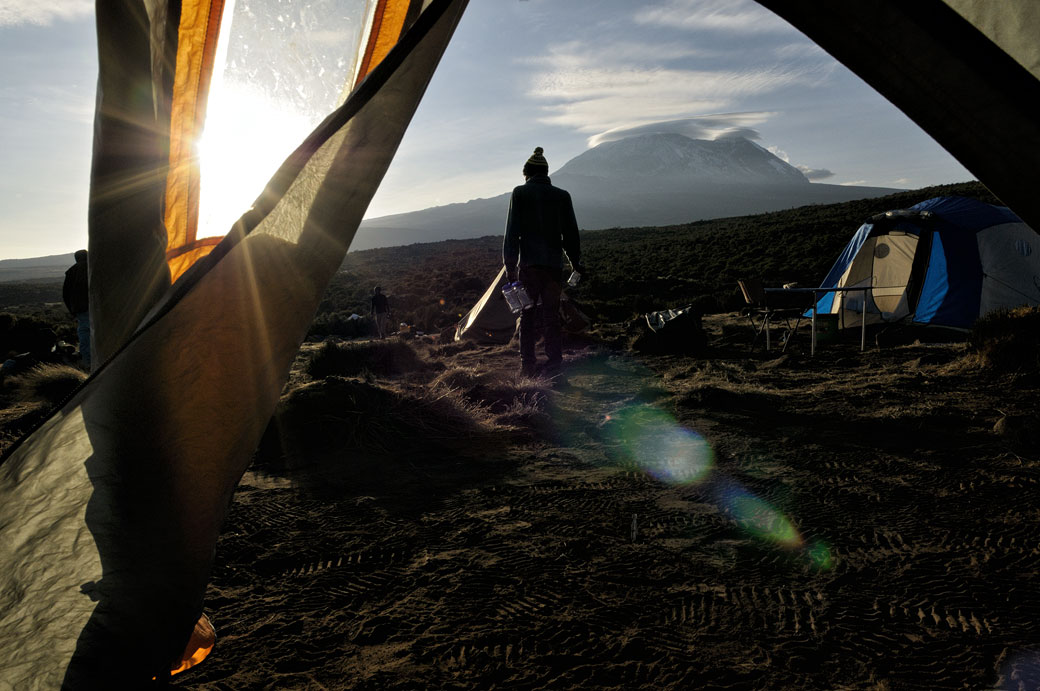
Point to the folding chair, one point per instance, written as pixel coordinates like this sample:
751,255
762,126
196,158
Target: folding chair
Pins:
764,310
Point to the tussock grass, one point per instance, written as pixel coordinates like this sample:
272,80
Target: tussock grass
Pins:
1008,340
490,390
47,383
385,358
342,417
514,402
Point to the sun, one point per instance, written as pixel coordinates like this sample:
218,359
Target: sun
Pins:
247,137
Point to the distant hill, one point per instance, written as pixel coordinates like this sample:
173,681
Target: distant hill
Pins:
649,180
36,268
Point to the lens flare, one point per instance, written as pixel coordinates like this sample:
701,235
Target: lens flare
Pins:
757,517
652,440
660,446
820,556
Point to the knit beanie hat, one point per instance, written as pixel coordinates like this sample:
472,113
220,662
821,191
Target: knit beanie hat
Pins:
537,161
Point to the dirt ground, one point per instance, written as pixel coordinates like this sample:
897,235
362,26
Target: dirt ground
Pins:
737,520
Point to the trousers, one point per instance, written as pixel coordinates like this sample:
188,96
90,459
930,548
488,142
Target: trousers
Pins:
83,334
544,285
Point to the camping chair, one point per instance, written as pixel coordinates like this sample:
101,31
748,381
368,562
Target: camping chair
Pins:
764,310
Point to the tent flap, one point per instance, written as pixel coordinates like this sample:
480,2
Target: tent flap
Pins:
108,549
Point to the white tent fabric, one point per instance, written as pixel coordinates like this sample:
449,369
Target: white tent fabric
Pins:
490,319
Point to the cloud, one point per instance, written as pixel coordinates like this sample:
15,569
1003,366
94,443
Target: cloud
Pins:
851,183
739,133
729,16
577,54
14,12
809,173
702,127
596,86
815,173
37,103
597,98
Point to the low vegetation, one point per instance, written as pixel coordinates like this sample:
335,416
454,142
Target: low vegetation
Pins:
1008,340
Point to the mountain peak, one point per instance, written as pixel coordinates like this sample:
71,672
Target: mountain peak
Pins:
675,157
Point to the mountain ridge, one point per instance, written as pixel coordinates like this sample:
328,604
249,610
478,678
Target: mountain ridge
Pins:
735,160
647,180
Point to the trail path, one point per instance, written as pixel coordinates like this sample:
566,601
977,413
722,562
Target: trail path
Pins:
714,534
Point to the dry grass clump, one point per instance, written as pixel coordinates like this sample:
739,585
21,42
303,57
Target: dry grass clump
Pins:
47,383
28,398
513,402
489,390
1008,340
341,417
384,358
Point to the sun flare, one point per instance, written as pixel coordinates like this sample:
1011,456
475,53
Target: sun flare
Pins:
247,136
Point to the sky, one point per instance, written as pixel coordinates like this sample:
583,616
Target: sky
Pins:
561,74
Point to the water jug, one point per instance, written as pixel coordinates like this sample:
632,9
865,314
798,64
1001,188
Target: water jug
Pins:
526,302
516,297
512,299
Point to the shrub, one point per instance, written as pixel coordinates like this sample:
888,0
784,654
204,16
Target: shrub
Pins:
1008,340
339,324
386,357
490,390
336,415
49,383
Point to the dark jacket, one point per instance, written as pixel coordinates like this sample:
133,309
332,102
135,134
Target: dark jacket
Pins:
74,291
540,226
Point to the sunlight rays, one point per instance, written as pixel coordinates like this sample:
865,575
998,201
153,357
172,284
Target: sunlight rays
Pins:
247,137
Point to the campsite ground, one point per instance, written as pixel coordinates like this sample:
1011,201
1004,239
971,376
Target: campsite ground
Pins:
849,521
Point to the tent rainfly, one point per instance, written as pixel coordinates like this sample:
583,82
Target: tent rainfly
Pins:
944,262
491,321
110,509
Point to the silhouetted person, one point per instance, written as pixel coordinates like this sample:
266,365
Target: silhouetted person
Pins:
77,299
540,227
381,311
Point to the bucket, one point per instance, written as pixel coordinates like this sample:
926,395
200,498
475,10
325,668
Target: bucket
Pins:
826,328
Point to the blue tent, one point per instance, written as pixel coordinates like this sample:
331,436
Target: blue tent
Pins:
943,262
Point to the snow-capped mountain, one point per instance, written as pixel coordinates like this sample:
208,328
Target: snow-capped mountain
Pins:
647,180
733,160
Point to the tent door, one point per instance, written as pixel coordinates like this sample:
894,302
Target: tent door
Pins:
893,263
886,263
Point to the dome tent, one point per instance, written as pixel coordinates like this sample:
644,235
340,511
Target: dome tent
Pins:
943,262
489,320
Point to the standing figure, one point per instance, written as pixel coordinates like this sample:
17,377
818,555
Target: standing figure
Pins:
76,295
381,311
540,228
